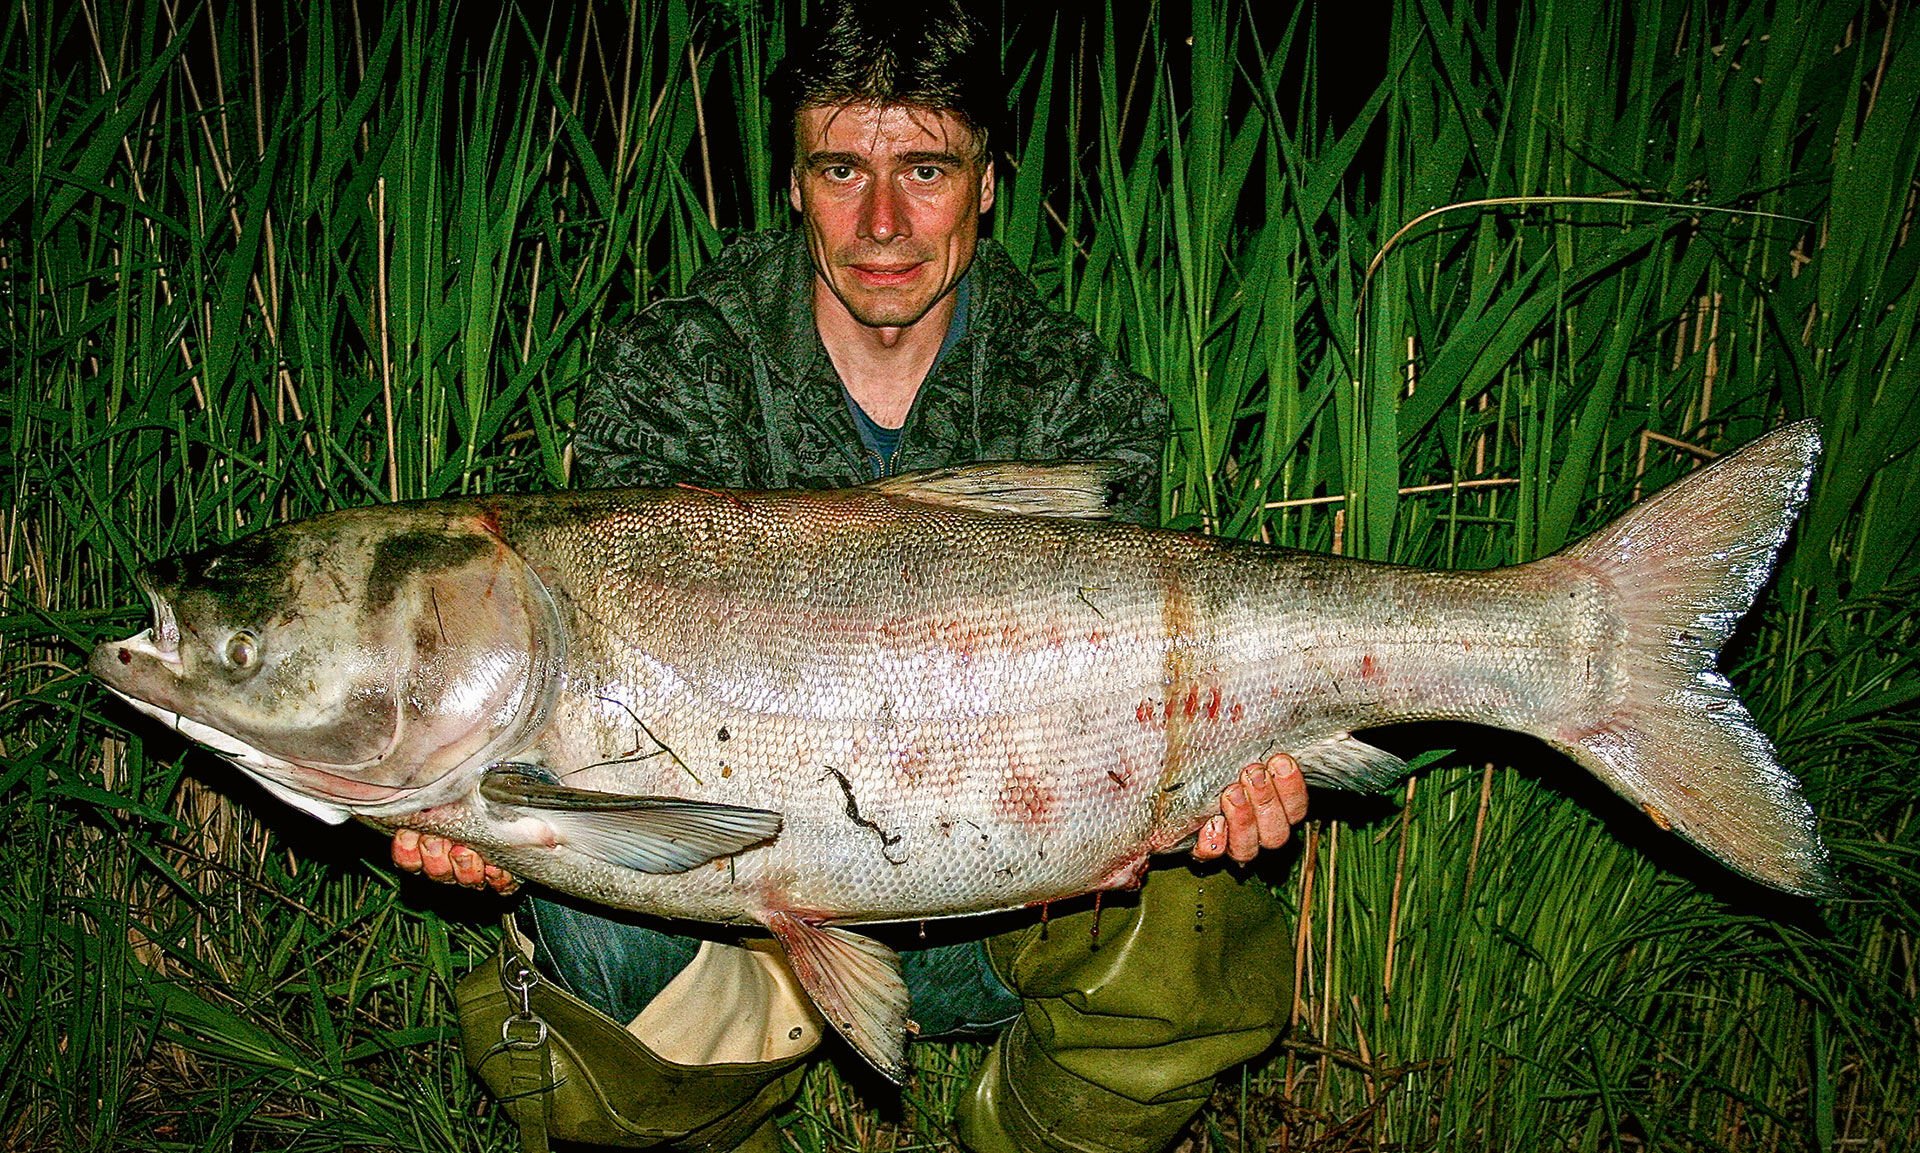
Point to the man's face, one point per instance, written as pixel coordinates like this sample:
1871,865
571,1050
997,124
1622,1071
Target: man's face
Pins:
890,198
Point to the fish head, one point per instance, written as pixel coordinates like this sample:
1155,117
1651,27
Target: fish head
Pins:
355,663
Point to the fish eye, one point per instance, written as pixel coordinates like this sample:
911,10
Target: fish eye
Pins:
243,649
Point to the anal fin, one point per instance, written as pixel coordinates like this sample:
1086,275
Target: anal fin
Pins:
856,984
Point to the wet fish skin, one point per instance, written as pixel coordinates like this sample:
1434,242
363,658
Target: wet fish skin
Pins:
899,702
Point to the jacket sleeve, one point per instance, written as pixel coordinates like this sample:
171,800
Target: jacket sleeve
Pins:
1123,419
1093,407
647,414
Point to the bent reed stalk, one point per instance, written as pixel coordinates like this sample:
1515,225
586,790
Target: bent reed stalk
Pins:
262,260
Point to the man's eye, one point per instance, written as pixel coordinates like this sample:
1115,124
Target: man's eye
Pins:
838,173
928,173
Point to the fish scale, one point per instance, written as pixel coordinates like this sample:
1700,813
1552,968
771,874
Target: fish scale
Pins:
936,695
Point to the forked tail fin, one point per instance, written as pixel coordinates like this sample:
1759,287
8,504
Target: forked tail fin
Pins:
1685,565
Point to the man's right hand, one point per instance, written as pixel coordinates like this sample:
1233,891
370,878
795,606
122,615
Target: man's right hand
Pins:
449,862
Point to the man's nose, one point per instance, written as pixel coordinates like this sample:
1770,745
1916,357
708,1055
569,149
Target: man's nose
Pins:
886,213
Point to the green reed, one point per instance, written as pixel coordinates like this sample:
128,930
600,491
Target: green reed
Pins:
260,261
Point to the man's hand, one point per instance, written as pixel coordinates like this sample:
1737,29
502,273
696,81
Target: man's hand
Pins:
449,863
1256,812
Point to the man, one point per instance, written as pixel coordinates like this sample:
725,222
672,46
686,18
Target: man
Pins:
885,336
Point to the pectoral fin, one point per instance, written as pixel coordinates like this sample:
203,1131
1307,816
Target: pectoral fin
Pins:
649,834
856,984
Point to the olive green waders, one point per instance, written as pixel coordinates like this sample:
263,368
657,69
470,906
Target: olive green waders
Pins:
701,1068
1120,1035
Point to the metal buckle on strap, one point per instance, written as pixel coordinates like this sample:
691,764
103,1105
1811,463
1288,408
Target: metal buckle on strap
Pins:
524,1029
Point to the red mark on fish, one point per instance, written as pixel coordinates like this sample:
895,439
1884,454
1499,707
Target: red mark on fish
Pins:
488,518
1127,873
1023,797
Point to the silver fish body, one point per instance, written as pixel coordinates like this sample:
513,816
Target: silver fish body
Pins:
1029,709
904,701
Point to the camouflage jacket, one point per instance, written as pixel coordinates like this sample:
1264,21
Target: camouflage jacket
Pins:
730,386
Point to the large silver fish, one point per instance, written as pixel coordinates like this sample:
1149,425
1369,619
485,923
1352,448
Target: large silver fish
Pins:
935,695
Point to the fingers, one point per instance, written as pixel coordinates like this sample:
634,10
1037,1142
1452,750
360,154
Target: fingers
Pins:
449,862
434,860
468,867
1279,798
1241,803
1228,832
501,881
1212,841
406,850
1290,785
1257,812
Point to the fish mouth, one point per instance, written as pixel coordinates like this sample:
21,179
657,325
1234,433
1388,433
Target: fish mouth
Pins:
161,639
120,665
310,788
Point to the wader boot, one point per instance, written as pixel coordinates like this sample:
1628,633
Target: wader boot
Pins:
1121,1036
1113,1042
701,1068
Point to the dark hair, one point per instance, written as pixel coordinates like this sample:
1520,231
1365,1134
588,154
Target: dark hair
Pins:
928,54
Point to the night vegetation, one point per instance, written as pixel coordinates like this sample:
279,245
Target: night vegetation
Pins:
259,260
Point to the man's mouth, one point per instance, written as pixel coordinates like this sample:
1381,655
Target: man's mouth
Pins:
886,275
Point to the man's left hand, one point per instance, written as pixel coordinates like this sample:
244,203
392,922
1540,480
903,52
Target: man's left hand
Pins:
1256,812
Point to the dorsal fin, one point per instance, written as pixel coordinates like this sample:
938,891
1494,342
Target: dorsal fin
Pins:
1078,489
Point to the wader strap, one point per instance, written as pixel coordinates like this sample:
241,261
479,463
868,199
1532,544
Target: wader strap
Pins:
523,1043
